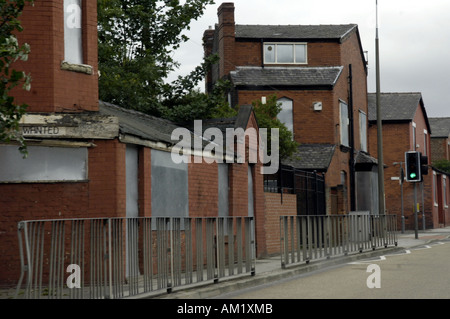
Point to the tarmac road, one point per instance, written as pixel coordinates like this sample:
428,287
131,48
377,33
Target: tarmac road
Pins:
421,272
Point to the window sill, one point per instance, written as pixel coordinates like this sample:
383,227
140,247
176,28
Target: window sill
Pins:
344,148
80,68
46,181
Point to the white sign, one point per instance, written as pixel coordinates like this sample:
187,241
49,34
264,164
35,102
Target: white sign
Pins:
43,130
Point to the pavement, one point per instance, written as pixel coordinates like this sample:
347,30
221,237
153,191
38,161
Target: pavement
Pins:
269,269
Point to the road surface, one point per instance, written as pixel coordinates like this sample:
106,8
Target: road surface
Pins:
422,272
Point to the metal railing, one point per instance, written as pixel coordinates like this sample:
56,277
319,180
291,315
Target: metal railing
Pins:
308,186
306,238
128,257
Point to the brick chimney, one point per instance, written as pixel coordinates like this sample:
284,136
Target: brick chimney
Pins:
226,32
208,47
63,64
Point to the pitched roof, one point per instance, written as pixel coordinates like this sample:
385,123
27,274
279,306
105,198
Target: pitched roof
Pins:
158,130
440,126
139,124
394,106
240,121
297,32
312,157
286,76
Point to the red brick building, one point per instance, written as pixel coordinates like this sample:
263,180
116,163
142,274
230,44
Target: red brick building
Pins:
440,150
319,74
91,159
405,128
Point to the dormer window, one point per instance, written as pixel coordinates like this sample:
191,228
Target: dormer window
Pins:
285,53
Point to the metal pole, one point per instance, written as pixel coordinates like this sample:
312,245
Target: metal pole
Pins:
381,204
416,224
401,185
110,256
423,206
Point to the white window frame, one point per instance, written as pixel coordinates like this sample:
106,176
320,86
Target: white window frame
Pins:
286,108
363,128
425,143
275,44
73,31
435,185
414,136
344,127
444,190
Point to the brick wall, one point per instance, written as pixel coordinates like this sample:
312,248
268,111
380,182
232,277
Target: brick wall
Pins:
277,205
203,189
306,129
145,185
54,89
397,139
107,179
102,196
439,147
351,54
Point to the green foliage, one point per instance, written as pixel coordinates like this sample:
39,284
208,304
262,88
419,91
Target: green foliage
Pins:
10,52
266,115
137,39
443,165
183,103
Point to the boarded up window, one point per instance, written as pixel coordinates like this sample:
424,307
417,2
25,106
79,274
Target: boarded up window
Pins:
169,186
43,164
223,190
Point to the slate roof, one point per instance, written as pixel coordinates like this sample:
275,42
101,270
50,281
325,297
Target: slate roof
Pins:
297,32
397,107
286,76
440,126
156,129
239,121
312,157
394,106
139,124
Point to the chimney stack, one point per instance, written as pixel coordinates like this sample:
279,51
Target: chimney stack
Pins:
226,32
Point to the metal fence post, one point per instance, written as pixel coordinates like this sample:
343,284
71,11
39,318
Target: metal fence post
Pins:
109,256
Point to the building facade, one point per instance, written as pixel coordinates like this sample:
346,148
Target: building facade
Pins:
91,159
440,151
319,75
405,128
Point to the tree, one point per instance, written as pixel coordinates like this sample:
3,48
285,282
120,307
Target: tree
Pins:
136,42
266,115
10,52
443,165
191,105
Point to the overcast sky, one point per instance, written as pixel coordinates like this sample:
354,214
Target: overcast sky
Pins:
414,39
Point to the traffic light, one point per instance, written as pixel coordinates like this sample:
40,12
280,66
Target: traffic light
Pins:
423,165
412,160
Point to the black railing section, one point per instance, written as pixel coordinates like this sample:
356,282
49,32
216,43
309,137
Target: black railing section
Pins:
308,186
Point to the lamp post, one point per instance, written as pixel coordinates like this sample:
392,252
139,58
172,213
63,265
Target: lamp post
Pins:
381,202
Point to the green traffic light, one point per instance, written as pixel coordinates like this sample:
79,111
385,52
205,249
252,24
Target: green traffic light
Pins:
413,175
